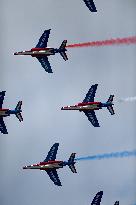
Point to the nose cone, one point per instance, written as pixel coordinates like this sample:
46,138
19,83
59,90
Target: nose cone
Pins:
26,167
65,108
18,53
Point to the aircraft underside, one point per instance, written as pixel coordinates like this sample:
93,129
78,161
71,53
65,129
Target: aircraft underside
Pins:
45,167
43,53
3,113
81,108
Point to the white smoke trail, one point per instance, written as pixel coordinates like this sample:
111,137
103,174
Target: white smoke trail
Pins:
128,99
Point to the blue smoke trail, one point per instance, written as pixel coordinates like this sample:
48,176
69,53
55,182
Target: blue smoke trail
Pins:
109,155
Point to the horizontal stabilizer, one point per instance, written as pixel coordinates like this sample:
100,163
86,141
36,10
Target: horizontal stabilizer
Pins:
64,55
63,45
111,110
19,104
72,168
110,98
19,116
116,203
18,108
71,163
72,157
62,49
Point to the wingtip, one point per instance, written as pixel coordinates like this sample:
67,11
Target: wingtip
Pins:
100,192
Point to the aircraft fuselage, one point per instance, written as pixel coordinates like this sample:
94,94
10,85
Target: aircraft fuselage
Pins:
40,52
87,106
7,112
49,165
46,165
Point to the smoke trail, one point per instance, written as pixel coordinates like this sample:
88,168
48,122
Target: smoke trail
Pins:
117,41
129,99
109,155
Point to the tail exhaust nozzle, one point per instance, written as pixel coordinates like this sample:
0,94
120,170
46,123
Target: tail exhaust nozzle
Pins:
110,107
71,163
18,114
62,49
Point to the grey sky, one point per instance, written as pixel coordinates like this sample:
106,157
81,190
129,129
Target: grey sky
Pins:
43,95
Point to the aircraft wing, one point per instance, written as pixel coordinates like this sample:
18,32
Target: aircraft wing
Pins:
43,39
45,64
2,94
52,153
54,176
91,94
3,126
97,198
90,4
92,118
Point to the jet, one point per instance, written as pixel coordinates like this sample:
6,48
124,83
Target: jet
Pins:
50,164
90,4
41,51
97,198
88,106
6,112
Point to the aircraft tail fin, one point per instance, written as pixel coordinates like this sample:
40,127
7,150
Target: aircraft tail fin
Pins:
72,163
110,107
116,203
18,108
62,49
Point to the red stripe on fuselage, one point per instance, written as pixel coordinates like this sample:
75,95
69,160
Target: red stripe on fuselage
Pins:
4,109
89,103
50,162
40,49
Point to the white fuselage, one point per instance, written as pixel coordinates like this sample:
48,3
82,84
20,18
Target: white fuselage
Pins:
82,107
45,166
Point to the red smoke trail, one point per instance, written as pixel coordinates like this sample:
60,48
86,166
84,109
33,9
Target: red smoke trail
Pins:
117,41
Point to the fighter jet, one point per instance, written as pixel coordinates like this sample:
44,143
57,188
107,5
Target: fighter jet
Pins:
88,106
97,198
7,112
41,51
90,4
50,165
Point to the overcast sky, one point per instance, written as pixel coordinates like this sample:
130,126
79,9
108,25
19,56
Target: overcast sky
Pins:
113,68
